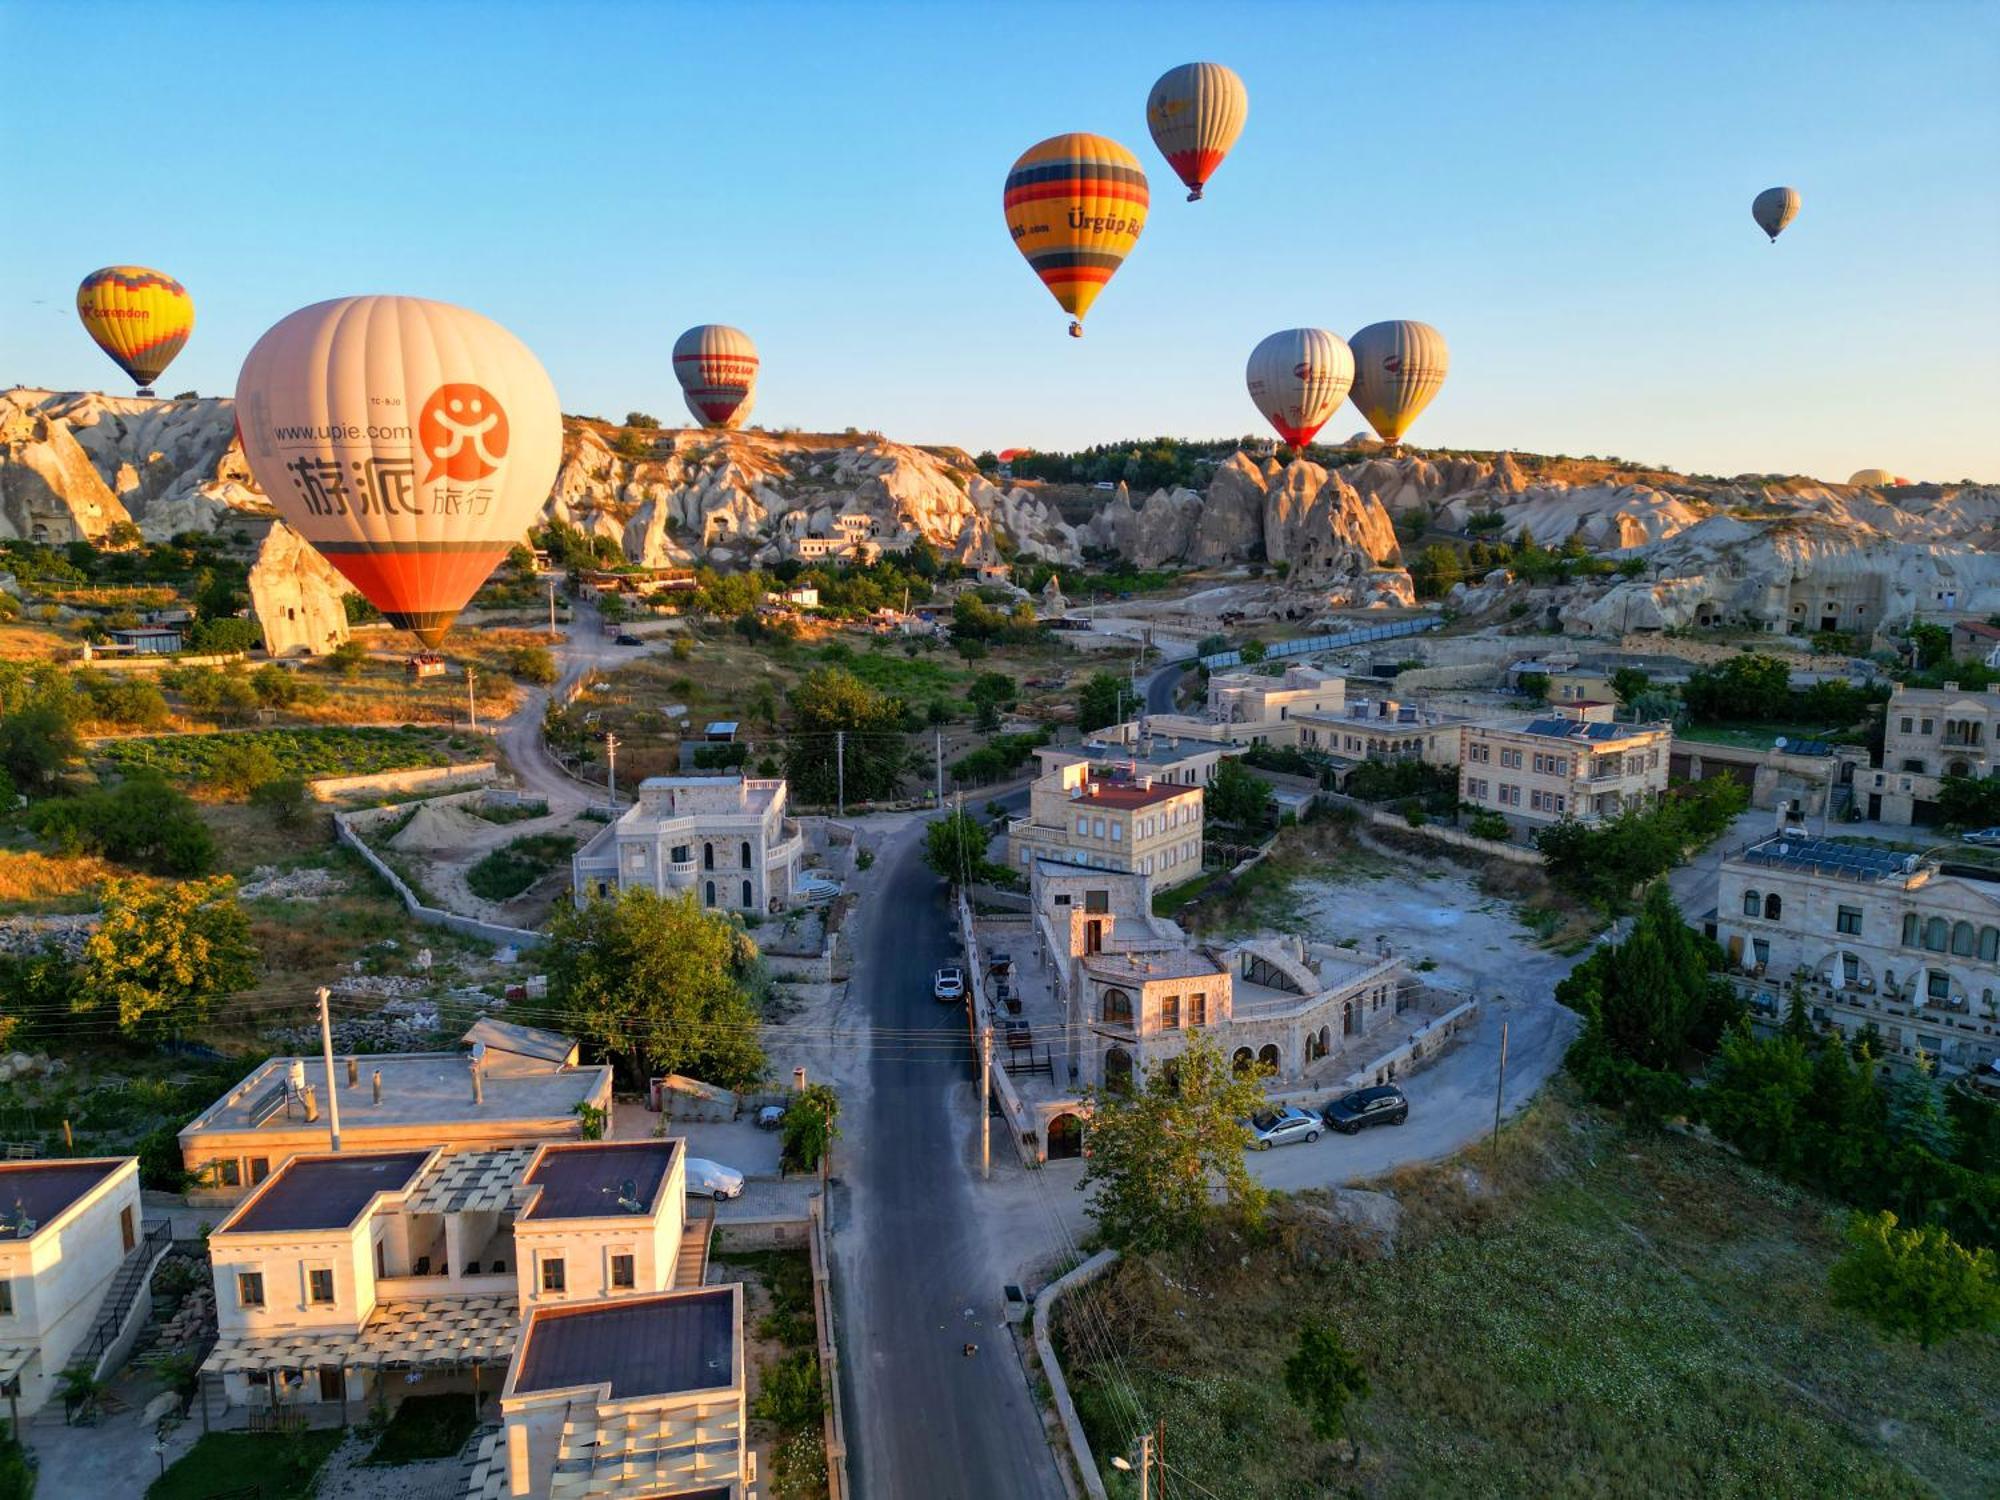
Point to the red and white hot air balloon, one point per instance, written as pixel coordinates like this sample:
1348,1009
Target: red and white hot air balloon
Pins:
1298,377
411,442
717,368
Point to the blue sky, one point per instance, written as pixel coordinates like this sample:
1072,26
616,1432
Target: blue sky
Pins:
1564,190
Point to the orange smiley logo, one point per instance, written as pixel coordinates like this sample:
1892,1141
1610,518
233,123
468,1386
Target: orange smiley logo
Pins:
463,431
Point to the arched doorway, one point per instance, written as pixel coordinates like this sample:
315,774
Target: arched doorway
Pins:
710,893
1347,1018
1116,1008
749,897
1065,1137
1242,1062
1267,1057
1117,1069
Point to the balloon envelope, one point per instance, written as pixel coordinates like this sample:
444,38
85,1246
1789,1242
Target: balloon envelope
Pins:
1871,478
1075,205
717,368
1398,367
1774,208
140,318
1298,378
410,441
1196,112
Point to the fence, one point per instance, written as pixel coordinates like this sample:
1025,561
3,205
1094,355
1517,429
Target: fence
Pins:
333,788
1306,645
490,932
829,1354
1045,1346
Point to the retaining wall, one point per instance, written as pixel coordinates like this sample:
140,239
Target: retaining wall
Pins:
1516,853
430,916
471,773
1045,1305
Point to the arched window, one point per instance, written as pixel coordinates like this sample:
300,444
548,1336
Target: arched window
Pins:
1773,907
1963,942
710,894
1912,929
1267,1057
1241,1062
1116,1008
708,859
1752,903
1118,1069
747,897
1347,1018
1065,1138
1937,934
1989,943
746,854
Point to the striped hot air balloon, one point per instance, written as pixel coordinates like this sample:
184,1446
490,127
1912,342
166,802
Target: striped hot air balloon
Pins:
411,442
1871,479
1398,367
140,318
1774,208
1075,205
1196,112
1298,378
717,368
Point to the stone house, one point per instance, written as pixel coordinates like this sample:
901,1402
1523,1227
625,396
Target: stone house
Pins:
1077,814
726,838
1947,731
1576,763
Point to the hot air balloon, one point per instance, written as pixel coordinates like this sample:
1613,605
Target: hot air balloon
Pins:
1075,205
1298,378
1774,208
140,318
410,441
1872,479
717,368
1196,112
1398,367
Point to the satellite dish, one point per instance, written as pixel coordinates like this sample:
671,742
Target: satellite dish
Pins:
1779,742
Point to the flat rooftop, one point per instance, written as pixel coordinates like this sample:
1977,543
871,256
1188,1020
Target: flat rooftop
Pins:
1571,729
1812,856
36,1193
644,1346
418,1088
587,1181
324,1192
1129,794
1151,750
1164,963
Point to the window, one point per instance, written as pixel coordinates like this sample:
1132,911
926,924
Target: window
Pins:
1963,942
1482,753
6,1299
1170,1013
1097,901
749,899
554,1278
1511,759
708,895
331,1384
249,1288
1927,727
1912,930
1989,943
1082,827
746,854
319,1285
708,858
229,1173
1116,1008
1762,950
1937,985
1117,833
621,1272
1752,903
1197,1010
1937,934
1847,919
1097,828
260,1168
1773,908
681,854
1905,725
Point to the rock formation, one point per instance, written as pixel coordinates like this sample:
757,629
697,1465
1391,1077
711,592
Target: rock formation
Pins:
49,489
297,597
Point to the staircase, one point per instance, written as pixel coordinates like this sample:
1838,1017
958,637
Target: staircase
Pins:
134,1276
691,1266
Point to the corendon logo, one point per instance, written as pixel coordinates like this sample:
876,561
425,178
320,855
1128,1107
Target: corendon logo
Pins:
1393,364
463,432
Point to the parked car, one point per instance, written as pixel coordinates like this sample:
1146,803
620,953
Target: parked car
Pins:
626,638
1985,838
771,1117
1282,1127
711,1179
1384,1105
949,985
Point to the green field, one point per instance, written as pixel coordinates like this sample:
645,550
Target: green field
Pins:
279,1466
310,753
1626,1316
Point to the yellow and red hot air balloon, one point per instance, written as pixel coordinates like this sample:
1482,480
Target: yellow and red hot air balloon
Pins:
1196,112
1398,367
1075,205
140,318
717,368
1297,378
411,442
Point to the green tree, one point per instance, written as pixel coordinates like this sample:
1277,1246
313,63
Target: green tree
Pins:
872,750
1158,1152
241,763
164,954
1758,1093
1750,688
1915,1283
532,664
1534,686
659,983
642,421
990,693
1969,801
38,744
1435,570
1933,645
141,821
1238,795
284,799
811,1126
955,848
1254,652
1100,701
347,659
1322,1376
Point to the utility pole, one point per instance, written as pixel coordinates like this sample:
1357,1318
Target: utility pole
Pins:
986,1100
840,770
611,770
471,703
332,1088
1499,1088
552,607
940,766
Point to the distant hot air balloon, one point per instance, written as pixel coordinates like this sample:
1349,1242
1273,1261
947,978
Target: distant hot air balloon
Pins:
1298,378
717,368
1075,205
140,318
1774,208
411,442
1196,112
1872,479
1398,367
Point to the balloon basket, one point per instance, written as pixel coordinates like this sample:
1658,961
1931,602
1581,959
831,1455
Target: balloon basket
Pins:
1076,330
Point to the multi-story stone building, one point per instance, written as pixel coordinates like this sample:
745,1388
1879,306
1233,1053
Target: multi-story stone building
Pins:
726,838
1575,763
1251,708
1136,749
1080,815
1382,729
1945,731
1909,946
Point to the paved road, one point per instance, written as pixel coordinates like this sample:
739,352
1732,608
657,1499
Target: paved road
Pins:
1160,689
584,647
923,1418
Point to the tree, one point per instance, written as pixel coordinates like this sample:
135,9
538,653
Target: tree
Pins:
642,421
1932,643
1238,795
989,694
347,659
1100,701
239,764
1254,652
810,1126
1158,1153
955,848
1969,801
141,821
840,723
38,743
1745,689
532,664
659,983
1435,570
1915,1283
1322,1376
284,799
164,954
1534,686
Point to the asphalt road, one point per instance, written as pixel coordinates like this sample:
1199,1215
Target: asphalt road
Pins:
916,1285
1160,690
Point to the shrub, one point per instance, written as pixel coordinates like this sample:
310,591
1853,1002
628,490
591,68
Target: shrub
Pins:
141,821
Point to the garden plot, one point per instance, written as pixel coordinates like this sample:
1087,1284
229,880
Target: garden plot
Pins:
508,871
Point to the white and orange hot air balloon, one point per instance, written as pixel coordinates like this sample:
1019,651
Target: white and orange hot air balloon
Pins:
1298,377
717,368
411,442
1196,112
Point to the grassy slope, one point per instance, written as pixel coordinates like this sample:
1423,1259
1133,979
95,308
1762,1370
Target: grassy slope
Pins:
1628,1317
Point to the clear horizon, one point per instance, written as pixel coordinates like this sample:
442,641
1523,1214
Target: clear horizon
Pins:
1564,190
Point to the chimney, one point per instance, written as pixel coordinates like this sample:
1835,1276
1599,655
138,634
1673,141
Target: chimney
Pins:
378,1085
478,1084
353,1072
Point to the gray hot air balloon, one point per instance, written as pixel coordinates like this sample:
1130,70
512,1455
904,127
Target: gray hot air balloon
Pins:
1398,367
1774,209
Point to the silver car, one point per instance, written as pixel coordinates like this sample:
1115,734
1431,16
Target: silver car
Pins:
1985,838
711,1179
1282,1127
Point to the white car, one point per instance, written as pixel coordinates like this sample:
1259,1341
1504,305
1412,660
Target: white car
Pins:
948,985
711,1179
1985,838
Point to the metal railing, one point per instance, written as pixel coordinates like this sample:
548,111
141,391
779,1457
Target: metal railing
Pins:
133,1274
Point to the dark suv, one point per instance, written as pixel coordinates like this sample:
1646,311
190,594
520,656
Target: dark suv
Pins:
1364,1107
